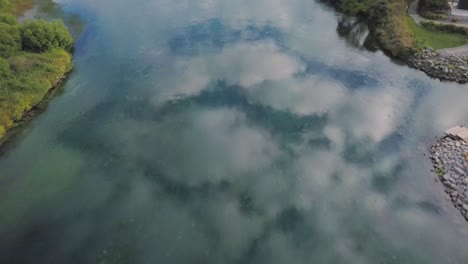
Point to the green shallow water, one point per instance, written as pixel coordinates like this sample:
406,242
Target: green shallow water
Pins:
231,132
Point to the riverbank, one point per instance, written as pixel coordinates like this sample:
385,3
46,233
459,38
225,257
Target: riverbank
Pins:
386,20
450,160
34,59
405,40
449,67
35,110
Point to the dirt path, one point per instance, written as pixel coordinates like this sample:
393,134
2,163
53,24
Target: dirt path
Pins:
457,51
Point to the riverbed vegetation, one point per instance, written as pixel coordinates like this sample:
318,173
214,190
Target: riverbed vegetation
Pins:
34,58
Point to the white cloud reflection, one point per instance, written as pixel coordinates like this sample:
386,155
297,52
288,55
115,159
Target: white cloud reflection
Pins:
171,167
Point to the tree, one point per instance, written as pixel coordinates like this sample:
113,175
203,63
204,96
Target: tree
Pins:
5,6
434,6
10,35
40,36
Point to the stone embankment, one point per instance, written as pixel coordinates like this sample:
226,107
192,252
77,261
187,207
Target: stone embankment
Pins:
449,67
450,160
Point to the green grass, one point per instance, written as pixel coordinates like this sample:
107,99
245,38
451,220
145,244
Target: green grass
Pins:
434,38
24,81
26,76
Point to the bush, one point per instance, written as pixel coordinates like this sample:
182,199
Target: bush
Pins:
357,7
445,28
433,16
5,71
379,12
10,35
40,36
434,6
8,19
5,6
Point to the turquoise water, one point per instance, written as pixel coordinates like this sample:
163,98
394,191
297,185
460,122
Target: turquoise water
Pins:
264,131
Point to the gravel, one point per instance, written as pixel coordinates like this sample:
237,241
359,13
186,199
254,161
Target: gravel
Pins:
450,160
449,68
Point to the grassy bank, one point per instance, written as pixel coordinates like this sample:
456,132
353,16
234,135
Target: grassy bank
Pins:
387,20
33,59
435,39
392,30
396,33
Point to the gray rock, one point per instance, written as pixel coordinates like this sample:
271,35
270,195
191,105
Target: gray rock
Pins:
454,194
458,170
447,177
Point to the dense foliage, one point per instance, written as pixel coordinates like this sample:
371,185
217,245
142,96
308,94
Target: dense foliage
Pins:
445,28
5,6
361,7
33,59
40,35
10,35
434,9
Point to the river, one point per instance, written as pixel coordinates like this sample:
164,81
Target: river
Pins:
216,131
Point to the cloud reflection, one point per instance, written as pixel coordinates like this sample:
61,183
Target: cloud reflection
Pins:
242,152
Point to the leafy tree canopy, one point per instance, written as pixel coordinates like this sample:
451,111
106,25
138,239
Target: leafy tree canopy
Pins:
10,35
40,36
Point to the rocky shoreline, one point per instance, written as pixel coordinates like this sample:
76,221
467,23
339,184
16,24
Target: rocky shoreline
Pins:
448,68
450,160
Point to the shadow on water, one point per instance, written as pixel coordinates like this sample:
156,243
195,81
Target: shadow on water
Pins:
220,95
214,34
356,33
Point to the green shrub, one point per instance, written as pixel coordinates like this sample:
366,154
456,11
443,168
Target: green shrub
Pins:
445,27
5,6
40,36
5,71
379,11
433,16
357,7
10,36
433,6
8,19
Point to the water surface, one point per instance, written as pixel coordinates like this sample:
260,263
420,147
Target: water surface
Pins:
260,131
